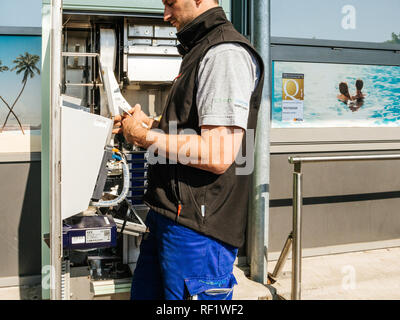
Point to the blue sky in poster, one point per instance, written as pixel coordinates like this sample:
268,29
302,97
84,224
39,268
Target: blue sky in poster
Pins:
28,108
322,19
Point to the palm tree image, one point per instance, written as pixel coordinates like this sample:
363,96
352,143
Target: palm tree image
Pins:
2,69
27,64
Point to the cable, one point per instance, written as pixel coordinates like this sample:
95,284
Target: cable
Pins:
125,219
125,189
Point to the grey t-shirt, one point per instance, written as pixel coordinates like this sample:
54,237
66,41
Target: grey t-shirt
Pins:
228,75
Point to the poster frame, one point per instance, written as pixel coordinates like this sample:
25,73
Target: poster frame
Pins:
24,155
334,138
20,31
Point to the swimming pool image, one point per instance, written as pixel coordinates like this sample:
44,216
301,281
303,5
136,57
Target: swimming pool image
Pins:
322,108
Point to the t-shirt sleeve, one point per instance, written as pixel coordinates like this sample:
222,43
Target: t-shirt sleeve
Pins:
226,80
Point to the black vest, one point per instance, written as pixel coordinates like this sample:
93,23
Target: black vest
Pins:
176,187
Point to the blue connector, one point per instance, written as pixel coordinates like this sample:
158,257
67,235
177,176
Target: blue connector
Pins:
116,157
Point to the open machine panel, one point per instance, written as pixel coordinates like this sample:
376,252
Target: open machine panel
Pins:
109,64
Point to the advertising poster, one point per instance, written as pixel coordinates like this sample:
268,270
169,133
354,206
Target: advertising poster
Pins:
318,95
292,96
20,93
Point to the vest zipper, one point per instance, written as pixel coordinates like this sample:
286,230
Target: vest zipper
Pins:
177,194
178,211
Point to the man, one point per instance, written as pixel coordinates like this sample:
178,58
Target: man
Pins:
198,200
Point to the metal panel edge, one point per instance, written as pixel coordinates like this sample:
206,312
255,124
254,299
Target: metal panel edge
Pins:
139,8
289,53
332,139
334,43
23,31
45,155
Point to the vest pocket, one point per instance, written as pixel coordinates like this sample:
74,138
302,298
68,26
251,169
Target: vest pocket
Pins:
192,198
198,200
205,192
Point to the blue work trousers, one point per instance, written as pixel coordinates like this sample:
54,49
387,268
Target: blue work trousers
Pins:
177,263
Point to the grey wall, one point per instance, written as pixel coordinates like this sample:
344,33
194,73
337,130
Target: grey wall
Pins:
344,203
20,247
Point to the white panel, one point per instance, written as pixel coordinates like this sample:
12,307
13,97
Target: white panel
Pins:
153,50
153,68
164,32
83,138
140,31
164,42
139,41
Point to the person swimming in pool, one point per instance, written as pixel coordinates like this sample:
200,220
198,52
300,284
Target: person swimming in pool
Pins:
344,95
354,106
359,95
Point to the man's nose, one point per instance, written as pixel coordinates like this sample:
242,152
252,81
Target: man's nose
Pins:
167,13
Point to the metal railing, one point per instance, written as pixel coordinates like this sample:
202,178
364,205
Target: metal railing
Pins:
294,238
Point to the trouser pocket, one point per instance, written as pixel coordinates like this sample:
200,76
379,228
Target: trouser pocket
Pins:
214,294
205,288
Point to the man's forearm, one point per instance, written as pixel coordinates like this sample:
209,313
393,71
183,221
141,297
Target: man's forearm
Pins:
193,150
179,147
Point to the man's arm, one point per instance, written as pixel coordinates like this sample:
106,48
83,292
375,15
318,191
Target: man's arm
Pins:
214,150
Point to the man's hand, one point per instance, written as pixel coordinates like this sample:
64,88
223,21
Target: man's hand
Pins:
134,126
138,111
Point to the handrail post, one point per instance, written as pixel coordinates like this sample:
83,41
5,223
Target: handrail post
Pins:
297,209
296,248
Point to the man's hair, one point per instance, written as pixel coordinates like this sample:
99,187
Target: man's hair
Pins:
359,84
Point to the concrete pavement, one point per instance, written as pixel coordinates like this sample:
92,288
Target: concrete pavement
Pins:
363,275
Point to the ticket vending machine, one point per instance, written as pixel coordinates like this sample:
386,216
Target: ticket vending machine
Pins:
109,63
